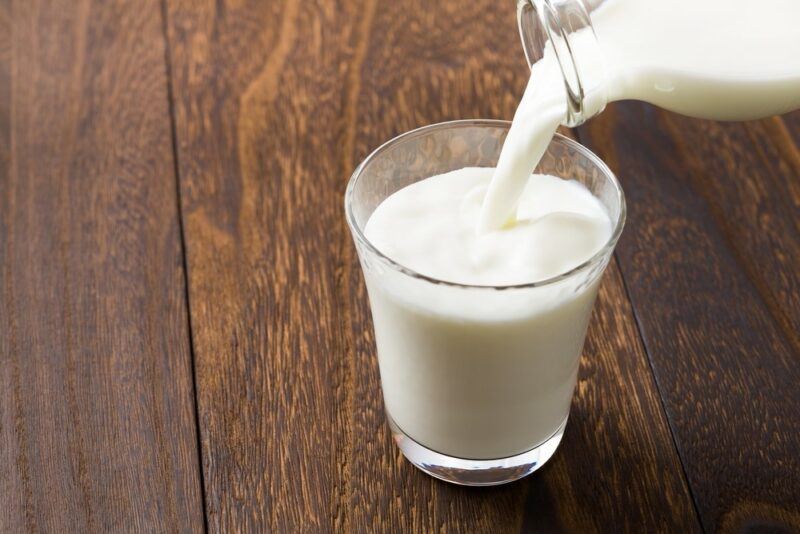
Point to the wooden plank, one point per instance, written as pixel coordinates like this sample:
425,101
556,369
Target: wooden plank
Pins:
96,416
710,259
752,190
259,97
275,105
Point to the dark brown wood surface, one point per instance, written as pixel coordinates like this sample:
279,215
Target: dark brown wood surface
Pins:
185,340
97,427
712,261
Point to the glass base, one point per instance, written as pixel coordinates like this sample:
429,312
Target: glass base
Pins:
476,472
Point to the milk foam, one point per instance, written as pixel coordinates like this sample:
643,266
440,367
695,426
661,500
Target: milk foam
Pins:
430,227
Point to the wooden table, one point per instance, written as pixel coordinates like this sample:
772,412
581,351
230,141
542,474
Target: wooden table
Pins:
185,341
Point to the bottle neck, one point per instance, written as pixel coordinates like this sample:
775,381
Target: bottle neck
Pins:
563,29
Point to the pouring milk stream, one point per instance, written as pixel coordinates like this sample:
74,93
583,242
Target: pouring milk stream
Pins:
715,59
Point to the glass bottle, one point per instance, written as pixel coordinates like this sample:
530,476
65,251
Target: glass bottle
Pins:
716,59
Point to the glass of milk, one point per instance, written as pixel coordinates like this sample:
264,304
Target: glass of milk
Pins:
477,380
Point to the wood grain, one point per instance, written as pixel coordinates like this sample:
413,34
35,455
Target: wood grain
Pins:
275,104
96,418
260,113
710,259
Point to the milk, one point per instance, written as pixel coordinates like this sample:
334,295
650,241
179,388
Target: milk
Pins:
716,59
429,227
538,116
476,372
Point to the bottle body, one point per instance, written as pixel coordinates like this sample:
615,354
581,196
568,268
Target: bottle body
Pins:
717,59
709,98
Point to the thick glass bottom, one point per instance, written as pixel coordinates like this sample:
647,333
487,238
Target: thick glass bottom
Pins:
476,472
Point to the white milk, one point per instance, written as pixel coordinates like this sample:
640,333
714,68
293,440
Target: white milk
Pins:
716,59
429,227
481,373
541,111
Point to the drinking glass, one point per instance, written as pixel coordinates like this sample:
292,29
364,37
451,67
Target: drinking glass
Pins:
477,380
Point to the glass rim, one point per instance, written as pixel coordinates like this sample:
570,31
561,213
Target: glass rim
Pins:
495,123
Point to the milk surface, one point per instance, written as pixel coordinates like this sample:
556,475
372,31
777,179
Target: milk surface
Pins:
430,227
